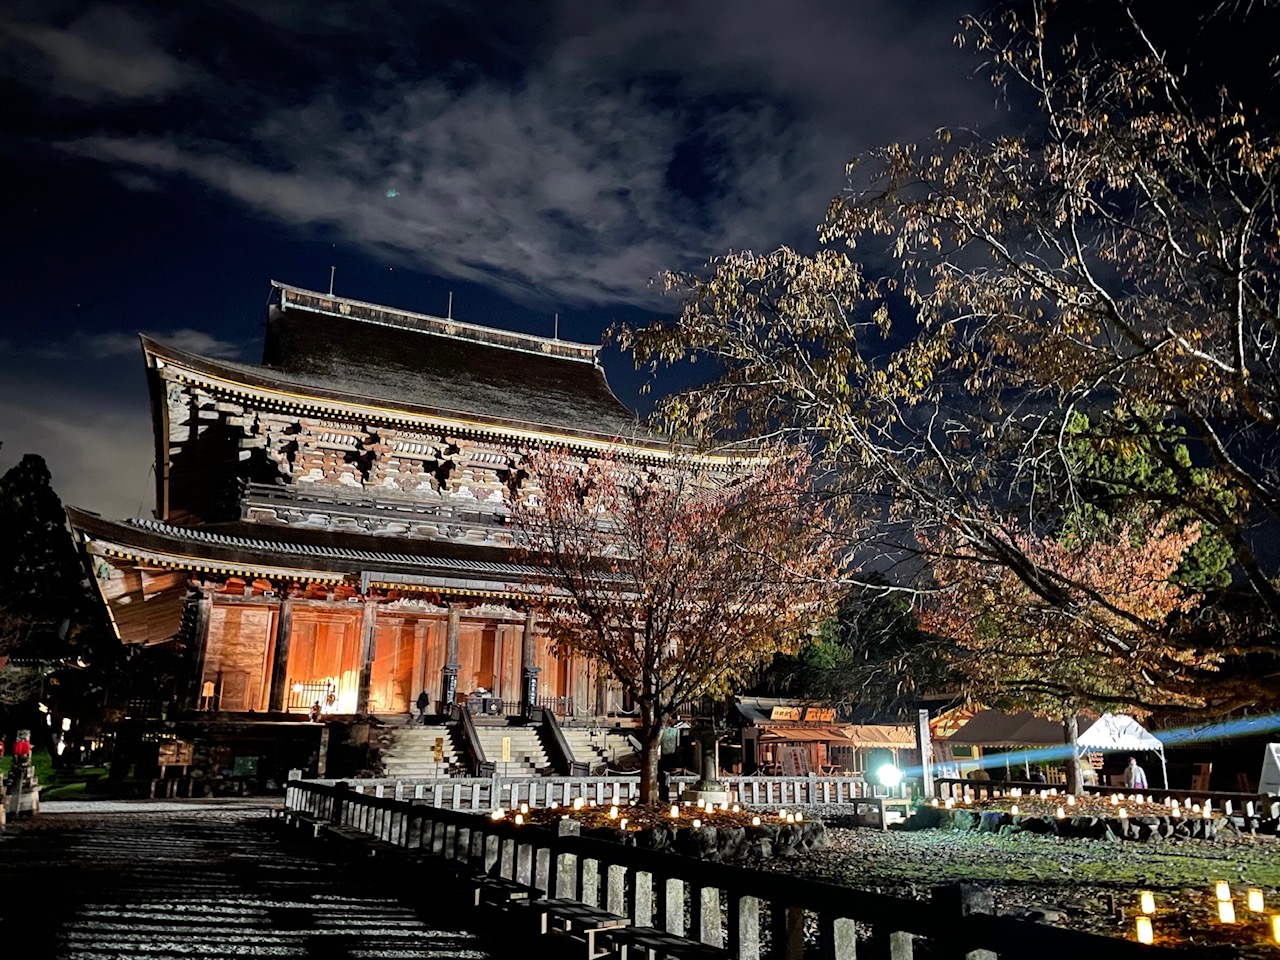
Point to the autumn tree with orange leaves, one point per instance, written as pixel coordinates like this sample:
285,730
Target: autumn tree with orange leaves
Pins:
1093,630
677,579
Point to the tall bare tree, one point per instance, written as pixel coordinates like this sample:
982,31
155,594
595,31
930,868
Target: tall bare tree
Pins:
678,580
1120,259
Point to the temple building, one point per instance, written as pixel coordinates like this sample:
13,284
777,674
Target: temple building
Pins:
331,525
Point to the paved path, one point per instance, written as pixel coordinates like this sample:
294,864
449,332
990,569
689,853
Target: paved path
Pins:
204,879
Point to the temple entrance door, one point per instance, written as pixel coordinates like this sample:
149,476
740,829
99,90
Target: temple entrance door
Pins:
487,671
238,655
391,680
324,660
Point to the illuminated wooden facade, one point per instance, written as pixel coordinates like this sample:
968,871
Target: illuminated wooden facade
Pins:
331,524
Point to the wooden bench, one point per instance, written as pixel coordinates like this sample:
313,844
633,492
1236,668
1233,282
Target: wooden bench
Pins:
648,943
499,891
578,922
305,821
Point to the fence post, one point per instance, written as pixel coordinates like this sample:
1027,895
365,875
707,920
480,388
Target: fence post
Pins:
704,906
589,881
566,883
744,926
671,891
642,884
615,890
960,900
838,939
788,931
524,864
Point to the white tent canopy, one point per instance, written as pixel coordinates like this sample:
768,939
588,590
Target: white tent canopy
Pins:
1118,733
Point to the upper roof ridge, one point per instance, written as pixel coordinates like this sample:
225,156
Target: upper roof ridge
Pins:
299,298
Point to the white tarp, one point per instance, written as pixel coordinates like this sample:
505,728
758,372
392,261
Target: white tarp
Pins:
1269,779
1118,733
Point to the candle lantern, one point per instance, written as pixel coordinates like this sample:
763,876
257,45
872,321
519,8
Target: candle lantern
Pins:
1226,911
1147,902
1222,890
1142,926
1253,900
1275,928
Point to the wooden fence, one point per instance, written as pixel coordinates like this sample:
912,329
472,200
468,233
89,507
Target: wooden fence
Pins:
485,793
740,912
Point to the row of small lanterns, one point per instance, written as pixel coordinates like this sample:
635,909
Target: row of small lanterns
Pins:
1176,808
499,813
1254,903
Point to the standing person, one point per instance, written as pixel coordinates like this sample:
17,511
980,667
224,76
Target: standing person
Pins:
1134,775
424,701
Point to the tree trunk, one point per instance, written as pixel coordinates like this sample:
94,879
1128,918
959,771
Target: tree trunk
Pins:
650,754
1075,779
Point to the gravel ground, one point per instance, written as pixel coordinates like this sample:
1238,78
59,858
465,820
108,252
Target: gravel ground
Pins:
1087,885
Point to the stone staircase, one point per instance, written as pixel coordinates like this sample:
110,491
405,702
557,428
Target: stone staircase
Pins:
600,748
411,751
528,757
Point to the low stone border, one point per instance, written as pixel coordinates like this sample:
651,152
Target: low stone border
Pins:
1139,828
724,843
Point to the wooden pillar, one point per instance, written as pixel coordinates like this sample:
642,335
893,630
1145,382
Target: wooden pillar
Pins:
369,636
925,743
528,667
200,638
280,662
449,672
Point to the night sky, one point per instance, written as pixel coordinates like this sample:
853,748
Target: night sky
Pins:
162,162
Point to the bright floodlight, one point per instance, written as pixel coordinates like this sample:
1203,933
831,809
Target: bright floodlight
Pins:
889,775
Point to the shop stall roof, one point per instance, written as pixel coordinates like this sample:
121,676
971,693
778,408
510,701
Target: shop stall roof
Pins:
854,735
995,728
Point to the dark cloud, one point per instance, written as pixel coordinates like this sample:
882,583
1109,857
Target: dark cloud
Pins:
99,453
101,346
639,140
105,53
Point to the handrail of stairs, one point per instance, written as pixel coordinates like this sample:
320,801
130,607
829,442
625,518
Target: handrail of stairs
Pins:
558,751
480,766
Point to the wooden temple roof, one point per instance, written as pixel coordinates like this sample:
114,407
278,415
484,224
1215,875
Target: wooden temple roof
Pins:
293,555
143,569
405,360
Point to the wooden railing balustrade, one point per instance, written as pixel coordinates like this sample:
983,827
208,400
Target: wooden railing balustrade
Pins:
485,793
741,910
